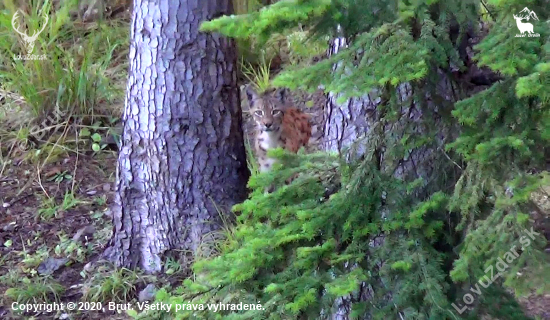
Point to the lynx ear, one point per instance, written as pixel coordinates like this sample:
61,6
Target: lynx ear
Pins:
281,94
251,94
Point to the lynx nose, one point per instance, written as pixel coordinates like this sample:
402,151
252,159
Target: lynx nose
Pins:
268,125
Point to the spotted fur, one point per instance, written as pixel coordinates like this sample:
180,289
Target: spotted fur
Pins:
277,125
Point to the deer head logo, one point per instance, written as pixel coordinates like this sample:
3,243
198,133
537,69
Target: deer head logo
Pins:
28,40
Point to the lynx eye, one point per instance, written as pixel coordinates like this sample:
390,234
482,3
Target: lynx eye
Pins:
259,113
276,112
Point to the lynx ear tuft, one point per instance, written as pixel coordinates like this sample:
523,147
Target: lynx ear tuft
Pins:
281,94
251,94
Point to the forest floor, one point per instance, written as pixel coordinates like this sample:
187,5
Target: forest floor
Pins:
55,219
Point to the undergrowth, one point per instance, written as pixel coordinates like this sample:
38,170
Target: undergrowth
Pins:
82,71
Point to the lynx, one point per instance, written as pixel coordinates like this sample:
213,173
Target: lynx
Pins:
277,125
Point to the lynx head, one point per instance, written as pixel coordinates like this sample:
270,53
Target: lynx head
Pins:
267,108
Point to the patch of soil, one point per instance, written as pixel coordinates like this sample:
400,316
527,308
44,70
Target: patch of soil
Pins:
24,190
537,305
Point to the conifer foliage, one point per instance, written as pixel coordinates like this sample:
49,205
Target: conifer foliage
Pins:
408,245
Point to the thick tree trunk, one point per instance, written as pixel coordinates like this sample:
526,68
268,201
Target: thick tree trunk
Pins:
347,127
346,123
182,162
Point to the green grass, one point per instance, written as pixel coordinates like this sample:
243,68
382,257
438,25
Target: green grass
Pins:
259,78
79,72
35,291
253,164
108,284
246,6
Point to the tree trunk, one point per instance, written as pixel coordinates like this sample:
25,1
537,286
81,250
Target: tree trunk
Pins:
182,162
347,122
347,125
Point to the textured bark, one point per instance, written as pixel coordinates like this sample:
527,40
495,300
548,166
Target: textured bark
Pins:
346,122
182,159
346,127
